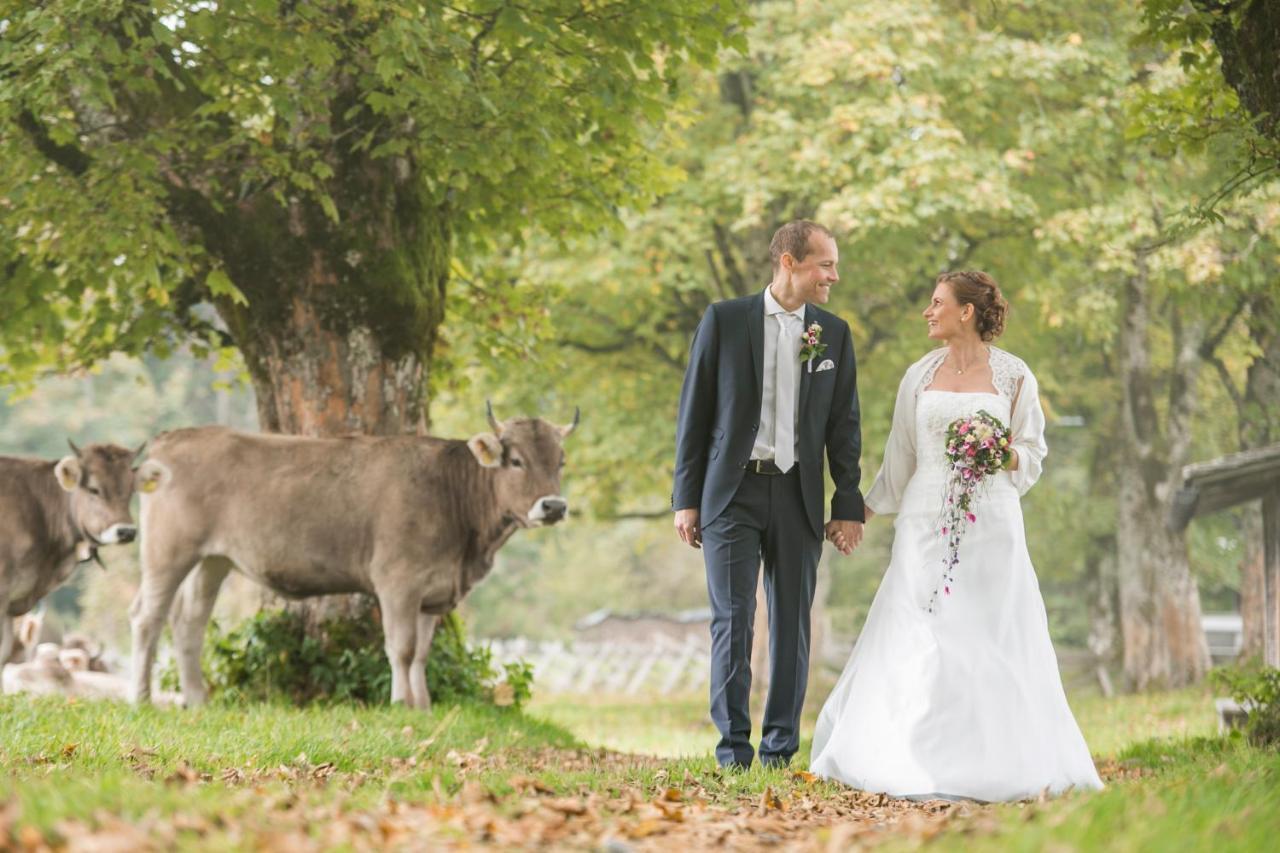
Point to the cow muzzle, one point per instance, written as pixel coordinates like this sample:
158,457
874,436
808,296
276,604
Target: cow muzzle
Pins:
549,510
118,534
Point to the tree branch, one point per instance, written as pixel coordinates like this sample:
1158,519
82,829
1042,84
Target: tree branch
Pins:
69,157
1227,381
1210,344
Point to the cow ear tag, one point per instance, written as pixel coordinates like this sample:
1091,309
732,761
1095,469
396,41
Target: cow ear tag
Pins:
486,448
68,473
151,476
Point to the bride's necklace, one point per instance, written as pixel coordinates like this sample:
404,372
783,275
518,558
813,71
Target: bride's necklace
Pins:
956,364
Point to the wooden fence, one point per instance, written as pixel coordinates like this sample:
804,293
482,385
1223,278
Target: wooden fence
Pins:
660,665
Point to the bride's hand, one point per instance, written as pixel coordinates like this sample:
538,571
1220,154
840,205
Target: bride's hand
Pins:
845,535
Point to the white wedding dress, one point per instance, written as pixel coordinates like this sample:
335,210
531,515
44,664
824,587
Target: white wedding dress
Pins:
965,702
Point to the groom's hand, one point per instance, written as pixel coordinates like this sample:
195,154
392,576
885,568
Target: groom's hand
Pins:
687,527
845,535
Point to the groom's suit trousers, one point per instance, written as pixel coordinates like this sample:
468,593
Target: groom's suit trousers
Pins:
764,522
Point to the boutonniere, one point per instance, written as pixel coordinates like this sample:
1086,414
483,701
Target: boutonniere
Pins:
811,345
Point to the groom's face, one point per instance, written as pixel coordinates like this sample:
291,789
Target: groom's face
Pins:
812,278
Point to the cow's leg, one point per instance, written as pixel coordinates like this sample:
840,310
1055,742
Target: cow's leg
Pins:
399,628
190,615
162,573
421,697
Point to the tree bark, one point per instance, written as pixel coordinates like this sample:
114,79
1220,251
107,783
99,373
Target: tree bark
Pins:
1164,643
1252,609
1249,52
1257,428
1102,591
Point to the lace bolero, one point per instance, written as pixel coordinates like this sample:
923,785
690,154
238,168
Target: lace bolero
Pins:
1007,371
1011,378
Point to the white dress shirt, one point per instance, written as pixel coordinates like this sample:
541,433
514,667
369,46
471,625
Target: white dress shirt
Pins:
764,446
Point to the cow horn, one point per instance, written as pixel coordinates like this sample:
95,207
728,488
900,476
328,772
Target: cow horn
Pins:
74,449
137,453
493,422
577,416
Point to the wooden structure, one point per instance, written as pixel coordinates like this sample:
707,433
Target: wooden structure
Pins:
1221,483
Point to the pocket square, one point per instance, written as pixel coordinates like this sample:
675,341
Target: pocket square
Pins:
827,364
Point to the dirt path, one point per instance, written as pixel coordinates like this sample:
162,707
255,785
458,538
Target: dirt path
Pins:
687,813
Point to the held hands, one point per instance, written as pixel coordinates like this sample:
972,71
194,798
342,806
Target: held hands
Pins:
845,535
688,527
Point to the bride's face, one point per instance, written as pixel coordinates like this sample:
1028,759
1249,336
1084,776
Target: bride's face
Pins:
946,317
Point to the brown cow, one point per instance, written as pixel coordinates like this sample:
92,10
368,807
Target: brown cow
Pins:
53,516
413,521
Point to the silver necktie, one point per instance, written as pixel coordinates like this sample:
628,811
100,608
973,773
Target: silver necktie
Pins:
786,374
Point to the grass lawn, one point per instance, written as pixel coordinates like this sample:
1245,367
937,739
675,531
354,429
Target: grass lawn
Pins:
678,726
268,776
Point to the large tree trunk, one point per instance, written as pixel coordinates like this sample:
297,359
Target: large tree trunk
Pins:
1102,591
1164,643
1252,601
316,380
1258,428
342,316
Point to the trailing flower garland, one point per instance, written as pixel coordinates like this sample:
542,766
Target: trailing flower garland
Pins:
976,448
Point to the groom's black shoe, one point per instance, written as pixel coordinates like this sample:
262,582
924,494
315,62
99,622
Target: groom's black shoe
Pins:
735,767
775,762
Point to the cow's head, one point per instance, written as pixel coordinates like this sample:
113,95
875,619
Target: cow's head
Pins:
526,456
101,480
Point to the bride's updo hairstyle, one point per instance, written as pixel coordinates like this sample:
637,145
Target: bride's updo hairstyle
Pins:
976,288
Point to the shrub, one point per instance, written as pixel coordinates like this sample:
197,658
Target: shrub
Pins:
1257,688
271,657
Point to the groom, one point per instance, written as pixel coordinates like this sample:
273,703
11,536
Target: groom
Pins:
771,383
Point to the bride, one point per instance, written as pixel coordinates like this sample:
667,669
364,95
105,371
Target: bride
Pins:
965,701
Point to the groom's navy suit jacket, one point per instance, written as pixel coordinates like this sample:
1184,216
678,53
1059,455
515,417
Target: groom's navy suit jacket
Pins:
720,413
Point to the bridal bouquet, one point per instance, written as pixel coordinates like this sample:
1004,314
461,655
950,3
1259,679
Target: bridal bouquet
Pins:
976,448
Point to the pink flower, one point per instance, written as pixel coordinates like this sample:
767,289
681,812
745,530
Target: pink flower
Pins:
972,518
947,589
963,429
944,530
971,451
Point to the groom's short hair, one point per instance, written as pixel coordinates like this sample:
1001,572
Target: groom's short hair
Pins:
793,239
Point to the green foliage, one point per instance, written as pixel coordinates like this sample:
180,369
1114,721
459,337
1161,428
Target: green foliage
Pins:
159,155
1187,104
930,135
1256,688
272,657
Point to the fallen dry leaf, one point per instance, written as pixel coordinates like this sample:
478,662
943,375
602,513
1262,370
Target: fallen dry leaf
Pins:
566,806
769,801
